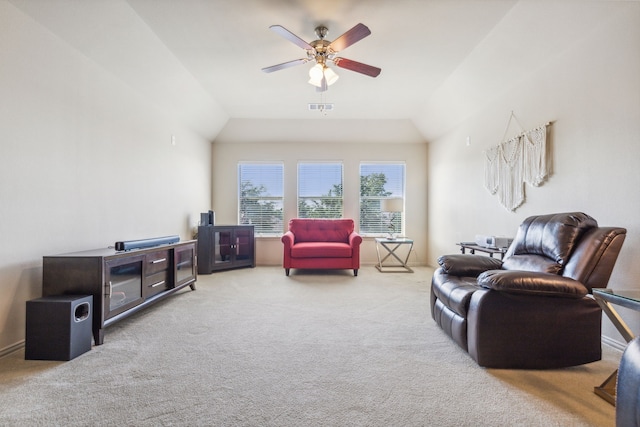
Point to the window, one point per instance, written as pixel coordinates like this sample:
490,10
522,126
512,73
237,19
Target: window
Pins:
261,196
379,181
320,190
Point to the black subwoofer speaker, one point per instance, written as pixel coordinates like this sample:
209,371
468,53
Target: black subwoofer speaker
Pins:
58,327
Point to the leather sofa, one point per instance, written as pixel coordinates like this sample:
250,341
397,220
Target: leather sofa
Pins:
531,310
321,244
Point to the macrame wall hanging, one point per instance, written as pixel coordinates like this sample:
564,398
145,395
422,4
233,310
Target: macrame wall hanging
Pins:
514,162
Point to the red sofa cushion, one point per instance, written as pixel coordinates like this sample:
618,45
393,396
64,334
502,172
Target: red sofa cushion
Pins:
321,250
321,230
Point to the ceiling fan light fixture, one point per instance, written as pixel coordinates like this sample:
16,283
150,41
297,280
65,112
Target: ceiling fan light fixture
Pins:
320,51
322,77
323,87
330,76
316,75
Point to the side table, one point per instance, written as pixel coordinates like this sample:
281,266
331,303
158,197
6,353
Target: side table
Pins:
629,298
474,247
390,246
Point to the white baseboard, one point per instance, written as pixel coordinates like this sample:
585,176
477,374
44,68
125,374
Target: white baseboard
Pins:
12,348
615,344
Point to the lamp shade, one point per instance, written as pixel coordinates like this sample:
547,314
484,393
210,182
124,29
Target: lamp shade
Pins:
316,75
395,204
330,75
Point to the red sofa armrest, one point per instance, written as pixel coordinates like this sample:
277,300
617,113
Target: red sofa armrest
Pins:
354,239
288,239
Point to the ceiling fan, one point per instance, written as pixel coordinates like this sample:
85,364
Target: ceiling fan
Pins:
322,51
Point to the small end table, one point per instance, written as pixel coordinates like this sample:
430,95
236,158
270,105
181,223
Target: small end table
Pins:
391,245
473,247
629,298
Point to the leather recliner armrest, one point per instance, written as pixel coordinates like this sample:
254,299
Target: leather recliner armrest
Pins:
532,283
466,265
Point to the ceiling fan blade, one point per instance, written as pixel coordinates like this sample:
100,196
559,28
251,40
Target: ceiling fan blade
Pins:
279,29
355,34
358,67
284,65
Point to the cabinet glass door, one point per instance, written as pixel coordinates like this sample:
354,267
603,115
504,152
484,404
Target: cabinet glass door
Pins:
244,252
224,246
123,285
185,258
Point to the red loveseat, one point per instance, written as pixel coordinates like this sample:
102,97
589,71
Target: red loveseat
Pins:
321,244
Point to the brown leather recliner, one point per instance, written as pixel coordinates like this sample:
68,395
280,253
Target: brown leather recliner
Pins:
533,309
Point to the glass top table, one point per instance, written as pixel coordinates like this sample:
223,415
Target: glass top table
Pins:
473,247
629,298
606,298
391,245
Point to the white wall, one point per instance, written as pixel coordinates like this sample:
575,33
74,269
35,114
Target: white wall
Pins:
258,144
591,92
85,161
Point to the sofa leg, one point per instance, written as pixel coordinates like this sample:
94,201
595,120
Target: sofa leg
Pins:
355,271
286,271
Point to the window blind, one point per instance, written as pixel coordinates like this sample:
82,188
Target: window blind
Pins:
379,181
320,190
261,196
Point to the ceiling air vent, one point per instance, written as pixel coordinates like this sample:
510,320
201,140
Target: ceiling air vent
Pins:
320,107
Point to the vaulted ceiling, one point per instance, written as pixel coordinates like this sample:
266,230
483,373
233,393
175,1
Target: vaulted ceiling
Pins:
441,60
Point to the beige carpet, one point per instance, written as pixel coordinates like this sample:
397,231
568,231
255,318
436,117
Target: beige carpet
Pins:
252,347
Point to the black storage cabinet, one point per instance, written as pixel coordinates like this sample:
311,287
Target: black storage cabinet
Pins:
58,327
